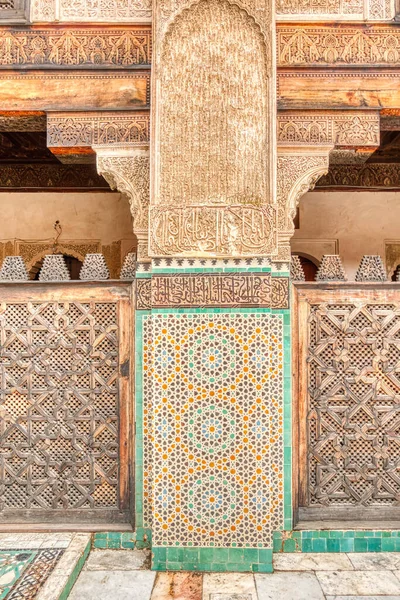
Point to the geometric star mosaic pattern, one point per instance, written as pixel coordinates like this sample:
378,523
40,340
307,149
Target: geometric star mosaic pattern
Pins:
23,572
213,428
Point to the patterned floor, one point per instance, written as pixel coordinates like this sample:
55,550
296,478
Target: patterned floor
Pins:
23,572
40,566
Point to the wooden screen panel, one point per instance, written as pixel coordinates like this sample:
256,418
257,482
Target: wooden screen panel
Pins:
64,402
348,369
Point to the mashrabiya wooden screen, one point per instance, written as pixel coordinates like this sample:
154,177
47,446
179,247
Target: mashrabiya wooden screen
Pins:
348,368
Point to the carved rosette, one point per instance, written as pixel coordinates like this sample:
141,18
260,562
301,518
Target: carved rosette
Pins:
127,170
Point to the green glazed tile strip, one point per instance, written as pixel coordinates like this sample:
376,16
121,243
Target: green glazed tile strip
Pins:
337,541
244,560
123,540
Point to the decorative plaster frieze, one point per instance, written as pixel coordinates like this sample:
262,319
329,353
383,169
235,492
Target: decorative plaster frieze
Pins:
350,128
338,10
338,46
127,169
83,48
117,11
102,128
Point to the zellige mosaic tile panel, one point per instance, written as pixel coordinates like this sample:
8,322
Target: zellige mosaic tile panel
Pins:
215,438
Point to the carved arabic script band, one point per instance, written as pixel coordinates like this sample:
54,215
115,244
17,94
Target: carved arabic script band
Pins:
213,230
246,290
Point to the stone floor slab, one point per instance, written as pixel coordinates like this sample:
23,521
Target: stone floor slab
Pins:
178,586
113,585
223,586
312,562
359,583
288,586
362,597
118,560
375,561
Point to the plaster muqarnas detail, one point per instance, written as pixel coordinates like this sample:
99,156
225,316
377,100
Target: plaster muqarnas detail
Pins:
213,427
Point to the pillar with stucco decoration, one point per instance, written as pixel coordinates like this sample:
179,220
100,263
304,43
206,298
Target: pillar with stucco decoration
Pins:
213,314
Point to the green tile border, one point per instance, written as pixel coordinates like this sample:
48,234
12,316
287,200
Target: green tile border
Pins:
217,560
344,540
75,573
122,540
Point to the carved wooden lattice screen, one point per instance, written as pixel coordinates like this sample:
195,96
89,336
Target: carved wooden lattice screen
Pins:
64,402
14,11
347,377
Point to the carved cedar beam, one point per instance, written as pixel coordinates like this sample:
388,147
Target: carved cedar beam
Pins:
74,90
127,169
370,176
338,89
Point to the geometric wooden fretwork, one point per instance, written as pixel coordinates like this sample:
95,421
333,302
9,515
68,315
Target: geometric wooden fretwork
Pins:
353,405
59,407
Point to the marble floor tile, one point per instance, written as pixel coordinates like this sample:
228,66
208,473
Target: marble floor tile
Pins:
362,597
178,586
224,586
288,586
118,560
359,583
113,585
312,562
375,561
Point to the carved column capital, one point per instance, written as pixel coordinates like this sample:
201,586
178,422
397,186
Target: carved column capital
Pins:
299,169
127,169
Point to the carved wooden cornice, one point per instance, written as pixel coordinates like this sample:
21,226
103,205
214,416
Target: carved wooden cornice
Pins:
337,10
103,128
338,46
37,177
369,176
28,121
51,48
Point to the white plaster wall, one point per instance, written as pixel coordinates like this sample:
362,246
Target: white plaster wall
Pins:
361,222
83,215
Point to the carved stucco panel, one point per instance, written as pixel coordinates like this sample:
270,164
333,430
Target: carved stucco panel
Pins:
354,10
127,170
297,173
92,11
213,128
